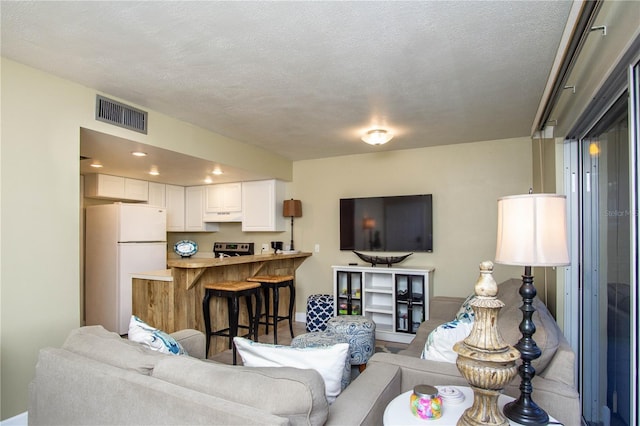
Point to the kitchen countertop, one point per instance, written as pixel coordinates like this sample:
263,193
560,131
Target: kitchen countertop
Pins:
209,262
161,275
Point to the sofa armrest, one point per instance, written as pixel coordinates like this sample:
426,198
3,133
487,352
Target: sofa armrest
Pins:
193,341
363,402
417,371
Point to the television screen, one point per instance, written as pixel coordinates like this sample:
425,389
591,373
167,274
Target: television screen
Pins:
396,223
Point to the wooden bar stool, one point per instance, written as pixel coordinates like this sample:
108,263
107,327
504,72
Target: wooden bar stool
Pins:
232,291
274,283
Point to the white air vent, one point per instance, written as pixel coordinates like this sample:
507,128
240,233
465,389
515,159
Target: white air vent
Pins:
119,114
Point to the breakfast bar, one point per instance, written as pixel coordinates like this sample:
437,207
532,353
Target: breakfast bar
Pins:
176,303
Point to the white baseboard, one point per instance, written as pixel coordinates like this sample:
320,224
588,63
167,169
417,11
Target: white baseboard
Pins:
301,317
19,420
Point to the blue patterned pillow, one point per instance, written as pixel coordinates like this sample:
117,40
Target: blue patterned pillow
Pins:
154,339
465,313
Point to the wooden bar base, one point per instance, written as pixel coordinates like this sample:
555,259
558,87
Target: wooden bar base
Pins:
177,304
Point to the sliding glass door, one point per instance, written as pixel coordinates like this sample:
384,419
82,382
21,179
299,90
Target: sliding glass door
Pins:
607,293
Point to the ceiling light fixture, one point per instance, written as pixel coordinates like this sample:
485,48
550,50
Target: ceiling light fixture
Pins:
154,171
217,171
96,165
377,137
139,154
208,180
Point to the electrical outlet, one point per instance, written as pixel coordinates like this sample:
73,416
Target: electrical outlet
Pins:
265,247
317,248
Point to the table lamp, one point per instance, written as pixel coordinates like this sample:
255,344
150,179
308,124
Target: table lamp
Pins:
292,208
532,231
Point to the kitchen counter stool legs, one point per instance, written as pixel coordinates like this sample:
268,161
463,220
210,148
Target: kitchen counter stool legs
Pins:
272,284
232,291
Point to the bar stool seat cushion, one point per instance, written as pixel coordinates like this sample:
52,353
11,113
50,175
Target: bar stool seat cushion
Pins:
271,279
323,339
328,361
231,286
361,333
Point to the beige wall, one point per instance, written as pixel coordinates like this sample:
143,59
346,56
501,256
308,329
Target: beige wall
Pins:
40,208
465,181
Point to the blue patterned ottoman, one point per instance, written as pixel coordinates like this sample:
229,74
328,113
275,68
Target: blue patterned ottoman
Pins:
319,311
361,334
320,339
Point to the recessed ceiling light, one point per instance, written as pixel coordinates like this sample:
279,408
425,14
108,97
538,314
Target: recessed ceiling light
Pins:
96,165
377,137
139,154
217,171
208,180
154,171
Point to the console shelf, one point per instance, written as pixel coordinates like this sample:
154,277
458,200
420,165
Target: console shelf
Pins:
396,299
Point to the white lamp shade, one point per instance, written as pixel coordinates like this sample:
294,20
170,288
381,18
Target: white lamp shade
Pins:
532,230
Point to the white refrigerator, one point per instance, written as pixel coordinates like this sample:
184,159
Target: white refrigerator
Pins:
120,239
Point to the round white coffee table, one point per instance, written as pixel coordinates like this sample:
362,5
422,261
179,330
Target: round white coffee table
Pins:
398,412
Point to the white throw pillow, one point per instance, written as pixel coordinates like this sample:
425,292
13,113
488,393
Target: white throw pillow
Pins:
439,345
154,339
327,360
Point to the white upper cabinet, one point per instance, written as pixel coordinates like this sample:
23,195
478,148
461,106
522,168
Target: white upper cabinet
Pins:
194,211
262,206
157,194
175,208
135,189
223,203
184,209
115,187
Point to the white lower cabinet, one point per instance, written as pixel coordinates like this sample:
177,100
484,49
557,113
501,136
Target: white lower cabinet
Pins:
396,299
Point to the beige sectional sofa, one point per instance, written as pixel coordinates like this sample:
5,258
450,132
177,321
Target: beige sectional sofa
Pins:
96,377
554,386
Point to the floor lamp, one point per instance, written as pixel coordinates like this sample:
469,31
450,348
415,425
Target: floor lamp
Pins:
532,231
292,208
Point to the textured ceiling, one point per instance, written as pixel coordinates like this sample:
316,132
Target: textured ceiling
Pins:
305,79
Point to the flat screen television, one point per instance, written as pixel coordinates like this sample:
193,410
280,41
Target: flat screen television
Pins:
395,223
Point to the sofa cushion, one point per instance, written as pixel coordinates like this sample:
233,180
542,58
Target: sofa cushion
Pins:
101,345
329,361
288,392
152,338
